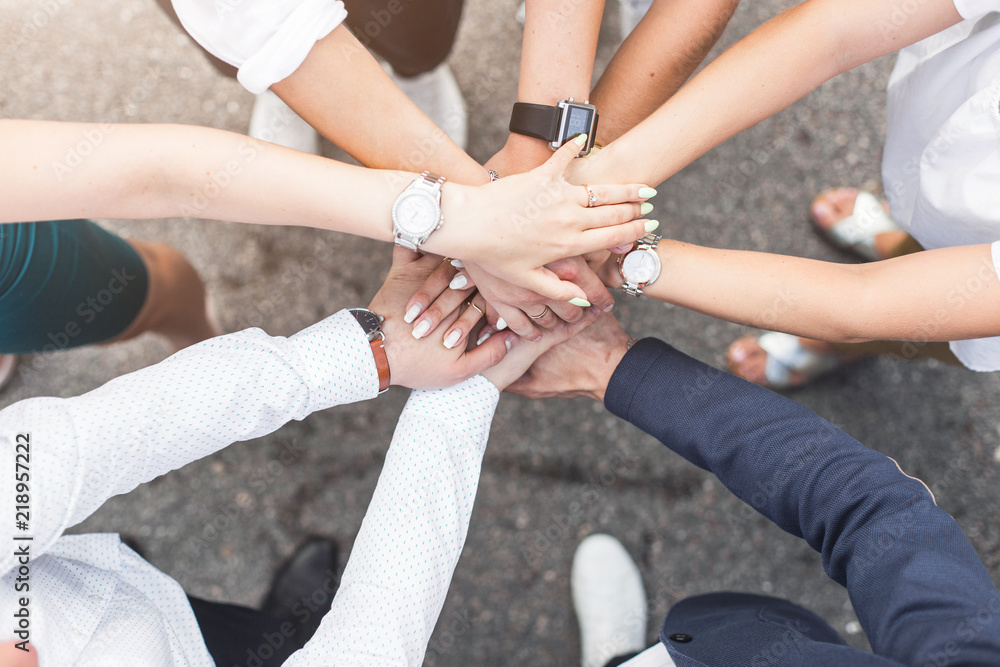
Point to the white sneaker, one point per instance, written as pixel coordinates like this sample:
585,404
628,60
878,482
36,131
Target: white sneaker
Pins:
630,12
609,600
437,94
273,120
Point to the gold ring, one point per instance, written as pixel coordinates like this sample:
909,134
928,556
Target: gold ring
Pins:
540,315
471,304
591,198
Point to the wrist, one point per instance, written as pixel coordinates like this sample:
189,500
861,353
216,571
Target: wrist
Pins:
523,153
605,361
453,239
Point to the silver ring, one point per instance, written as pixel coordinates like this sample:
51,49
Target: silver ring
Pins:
591,199
540,315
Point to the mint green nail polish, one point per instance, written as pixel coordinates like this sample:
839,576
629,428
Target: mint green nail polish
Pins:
645,208
577,301
651,225
581,140
646,193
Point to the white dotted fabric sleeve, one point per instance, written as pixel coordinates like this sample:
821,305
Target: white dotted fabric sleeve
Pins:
266,40
86,449
972,8
397,578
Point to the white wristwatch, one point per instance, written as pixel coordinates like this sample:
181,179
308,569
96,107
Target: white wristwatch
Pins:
417,211
640,266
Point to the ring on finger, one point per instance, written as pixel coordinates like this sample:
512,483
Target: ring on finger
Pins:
539,315
591,197
472,304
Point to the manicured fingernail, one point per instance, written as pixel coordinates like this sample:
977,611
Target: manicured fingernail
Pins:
820,210
609,307
581,140
457,263
508,344
452,338
536,339
652,224
458,282
501,324
645,208
646,193
485,337
577,301
422,329
412,313
595,310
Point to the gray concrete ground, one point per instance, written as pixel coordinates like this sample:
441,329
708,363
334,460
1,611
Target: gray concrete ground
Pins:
221,525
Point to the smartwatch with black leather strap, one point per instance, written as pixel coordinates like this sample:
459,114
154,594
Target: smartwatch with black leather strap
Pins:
372,325
556,124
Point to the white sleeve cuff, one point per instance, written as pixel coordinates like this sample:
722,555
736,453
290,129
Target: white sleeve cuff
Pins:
266,40
339,360
972,8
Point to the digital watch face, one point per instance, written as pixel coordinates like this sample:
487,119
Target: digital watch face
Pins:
416,213
578,121
641,267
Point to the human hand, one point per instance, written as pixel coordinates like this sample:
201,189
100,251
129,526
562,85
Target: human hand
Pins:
519,154
522,357
581,366
516,226
426,363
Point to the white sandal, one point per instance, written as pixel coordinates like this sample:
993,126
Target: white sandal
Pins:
8,369
857,231
786,355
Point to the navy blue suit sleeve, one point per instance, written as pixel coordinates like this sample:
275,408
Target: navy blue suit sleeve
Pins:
917,585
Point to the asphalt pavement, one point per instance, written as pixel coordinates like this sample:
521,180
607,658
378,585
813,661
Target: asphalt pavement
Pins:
221,525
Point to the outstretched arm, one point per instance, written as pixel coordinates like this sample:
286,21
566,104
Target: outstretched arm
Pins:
936,295
771,68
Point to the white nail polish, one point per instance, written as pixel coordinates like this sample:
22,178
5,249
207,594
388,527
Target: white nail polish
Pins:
412,313
506,343
458,282
485,337
452,338
501,324
422,329
457,263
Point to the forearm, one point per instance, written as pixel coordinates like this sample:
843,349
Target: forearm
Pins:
232,388
938,295
771,68
655,60
401,566
343,92
915,581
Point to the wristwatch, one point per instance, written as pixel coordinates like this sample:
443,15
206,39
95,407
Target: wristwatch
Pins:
417,211
640,266
556,124
372,325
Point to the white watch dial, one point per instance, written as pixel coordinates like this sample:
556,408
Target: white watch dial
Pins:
416,213
640,267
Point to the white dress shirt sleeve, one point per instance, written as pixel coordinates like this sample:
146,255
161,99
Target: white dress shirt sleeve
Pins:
87,449
397,578
266,40
972,8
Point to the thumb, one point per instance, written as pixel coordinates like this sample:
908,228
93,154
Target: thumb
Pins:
543,281
402,256
564,156
489,354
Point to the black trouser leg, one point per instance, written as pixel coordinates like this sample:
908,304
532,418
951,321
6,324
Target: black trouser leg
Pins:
243,637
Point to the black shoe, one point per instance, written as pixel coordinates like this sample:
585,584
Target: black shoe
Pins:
302,590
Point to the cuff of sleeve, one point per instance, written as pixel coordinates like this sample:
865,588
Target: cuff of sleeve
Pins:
972,8
339,360
286,49
630,375
467,407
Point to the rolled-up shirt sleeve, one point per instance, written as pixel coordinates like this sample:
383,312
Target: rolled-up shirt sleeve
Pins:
972,8
266,40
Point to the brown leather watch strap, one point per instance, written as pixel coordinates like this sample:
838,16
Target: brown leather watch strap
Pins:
381,363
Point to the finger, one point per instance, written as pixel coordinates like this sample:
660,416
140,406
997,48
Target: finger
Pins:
579,272
563,312
563,157
546,317
433,287
621,249
617,194
402,256
461,281
546,283
611,237
489,354
518,322
612,214
465,323
596,258
449,302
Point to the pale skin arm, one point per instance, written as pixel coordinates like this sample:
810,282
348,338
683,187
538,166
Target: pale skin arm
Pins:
771,68
936,295
142,171
342,91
